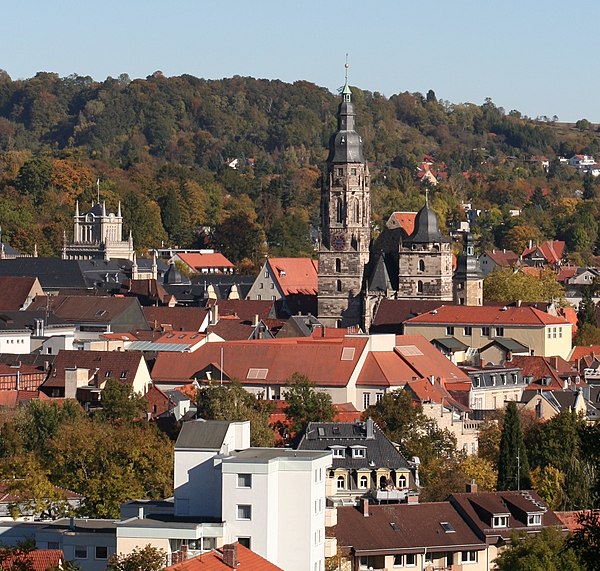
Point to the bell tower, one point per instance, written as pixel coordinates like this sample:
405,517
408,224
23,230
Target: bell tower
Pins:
345,223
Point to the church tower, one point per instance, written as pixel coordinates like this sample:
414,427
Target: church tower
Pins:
345,223
468,278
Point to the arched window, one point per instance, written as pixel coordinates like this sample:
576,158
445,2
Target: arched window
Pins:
338,285
419,286
421,265
339,210
402,481
338,265
341,483
364,482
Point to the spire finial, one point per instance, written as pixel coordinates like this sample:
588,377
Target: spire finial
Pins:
346,93
426,197
346,66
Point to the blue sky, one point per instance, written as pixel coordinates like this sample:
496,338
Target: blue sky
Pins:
538,57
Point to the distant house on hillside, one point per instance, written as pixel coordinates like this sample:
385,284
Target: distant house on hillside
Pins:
205,262
492,260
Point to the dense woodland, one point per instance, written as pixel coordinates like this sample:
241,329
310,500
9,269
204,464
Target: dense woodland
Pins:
161,147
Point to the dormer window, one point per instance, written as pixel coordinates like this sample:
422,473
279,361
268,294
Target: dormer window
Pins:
534,519
500,521
359,452
338,451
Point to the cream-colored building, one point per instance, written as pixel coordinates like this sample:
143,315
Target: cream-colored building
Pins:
544,334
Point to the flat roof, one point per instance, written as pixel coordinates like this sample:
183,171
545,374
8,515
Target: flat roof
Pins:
268,454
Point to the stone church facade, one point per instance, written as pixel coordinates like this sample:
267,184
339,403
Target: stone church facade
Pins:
355,273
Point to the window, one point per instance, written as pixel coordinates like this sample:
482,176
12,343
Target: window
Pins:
353,171
319,506
421,265
515,378
338,265
53,545
534,519
499,332
398,560
338,452
123,374
560,332
468,331
500,521
366,400
244,481
485,331
245,541
402,481
272,285
378,397
359,453
468,557
549,333
503,377
340,172
261,285
101,552
449,330
419,286
411,560
341,483
244,511
363,482
266,273
108,374
554,333
80,552
338,285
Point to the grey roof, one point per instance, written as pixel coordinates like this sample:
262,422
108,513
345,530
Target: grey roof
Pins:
52,272
152,346
268,454
176,396
379,279
346,146
427,228
450,343
507,343
203,434
381,452
9,250
483,376
26,319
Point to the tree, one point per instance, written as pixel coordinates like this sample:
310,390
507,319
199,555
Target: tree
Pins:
305,404
140,559
585,541
119,402
239,237
513,467
586,312
544,551
508,286
232,402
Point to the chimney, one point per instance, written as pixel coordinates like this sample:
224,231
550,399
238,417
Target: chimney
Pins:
255,321
472,487
412,499
519,302
230,555
364,503
369,427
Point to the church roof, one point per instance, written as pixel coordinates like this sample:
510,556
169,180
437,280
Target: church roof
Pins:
379,279
346,146
426,227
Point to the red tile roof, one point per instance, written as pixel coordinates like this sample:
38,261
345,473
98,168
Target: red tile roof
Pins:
552,250
39,559
295,275
487,315
213,561
406,221
537,367
200,261
565,273
181,337
177,318
245,309
15,290
503,258
580,351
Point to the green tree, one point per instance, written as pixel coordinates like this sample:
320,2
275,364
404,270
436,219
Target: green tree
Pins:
513,467
544,551
239,237
508,286
232,402
140,559
585,541
305,404
119,402
586,312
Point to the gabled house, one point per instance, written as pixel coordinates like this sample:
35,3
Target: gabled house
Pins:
492,260
292,280
204,262
493,386
18,292
83,374
476,326
365,462
547,404
548,253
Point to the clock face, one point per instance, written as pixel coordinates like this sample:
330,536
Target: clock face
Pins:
339,242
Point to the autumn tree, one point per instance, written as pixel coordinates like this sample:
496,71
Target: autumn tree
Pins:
120,403
510,286
513,467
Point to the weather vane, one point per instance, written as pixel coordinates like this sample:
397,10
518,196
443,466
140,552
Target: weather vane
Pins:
346,65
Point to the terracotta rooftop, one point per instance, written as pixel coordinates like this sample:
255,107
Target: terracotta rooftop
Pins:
404,220
200,261
552,250
176,318
539,368
487,315
295,275
213,561
245,309
503,258
38,559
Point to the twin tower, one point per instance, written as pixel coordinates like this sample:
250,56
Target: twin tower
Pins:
356,273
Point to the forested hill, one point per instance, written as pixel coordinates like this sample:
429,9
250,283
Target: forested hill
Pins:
162,147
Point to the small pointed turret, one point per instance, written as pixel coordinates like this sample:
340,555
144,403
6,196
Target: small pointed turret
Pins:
77,208
119,210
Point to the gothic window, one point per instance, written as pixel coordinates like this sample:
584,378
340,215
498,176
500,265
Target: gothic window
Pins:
338,285
356,212
421,265
419,286
339,210
338,265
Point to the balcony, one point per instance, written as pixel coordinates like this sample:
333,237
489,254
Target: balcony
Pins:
389,495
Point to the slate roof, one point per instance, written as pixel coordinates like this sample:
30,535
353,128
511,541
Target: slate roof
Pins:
53,273
398,528
295,275
222,284
213,561
380,452
508,344
203,434
9,251
26,319
15,291
450,343
478,508
379,280
392,313
427,228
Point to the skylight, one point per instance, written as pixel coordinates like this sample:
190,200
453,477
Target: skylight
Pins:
410,350
257,373
447,527
347,353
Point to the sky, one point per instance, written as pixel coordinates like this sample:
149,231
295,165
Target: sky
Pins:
535,56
